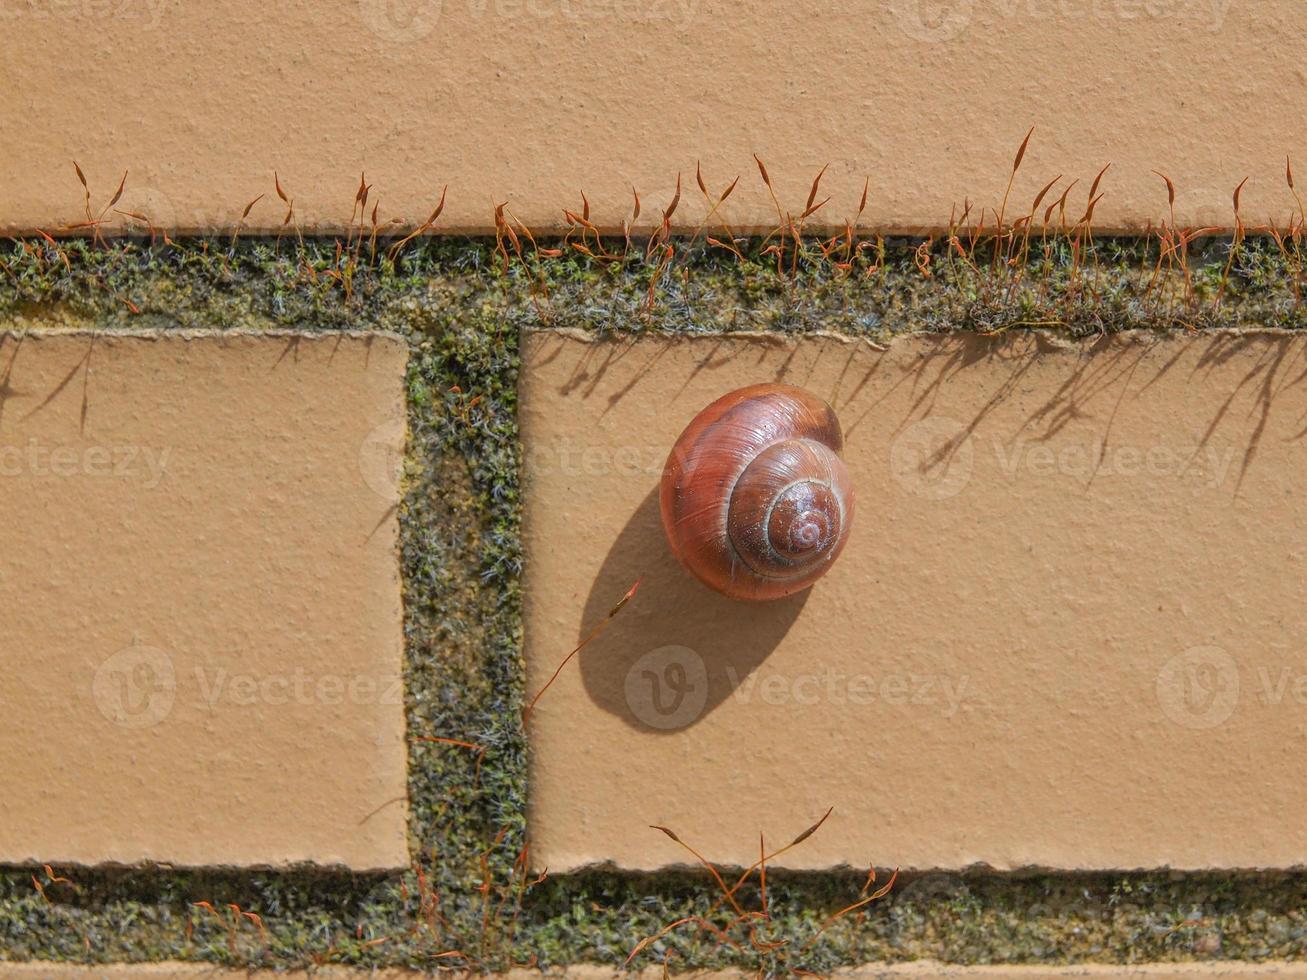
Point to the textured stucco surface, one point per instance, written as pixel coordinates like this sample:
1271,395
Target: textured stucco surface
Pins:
200,619
531,102
1065,633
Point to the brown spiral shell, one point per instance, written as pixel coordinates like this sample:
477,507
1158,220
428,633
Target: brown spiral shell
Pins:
755,499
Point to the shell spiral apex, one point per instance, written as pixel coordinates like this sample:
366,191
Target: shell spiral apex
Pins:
755,499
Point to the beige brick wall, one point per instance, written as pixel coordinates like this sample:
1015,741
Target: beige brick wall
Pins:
200,601
1064,634
531,102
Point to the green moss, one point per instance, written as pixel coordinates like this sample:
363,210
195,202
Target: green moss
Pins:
462,314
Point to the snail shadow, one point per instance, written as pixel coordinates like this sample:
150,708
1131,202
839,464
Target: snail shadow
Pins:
678,649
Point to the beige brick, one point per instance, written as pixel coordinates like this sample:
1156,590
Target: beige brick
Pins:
929,100
1073,640
200,620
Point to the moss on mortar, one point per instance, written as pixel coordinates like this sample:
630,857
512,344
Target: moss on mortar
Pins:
462,311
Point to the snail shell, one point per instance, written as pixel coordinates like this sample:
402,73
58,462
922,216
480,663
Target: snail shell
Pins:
755,499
